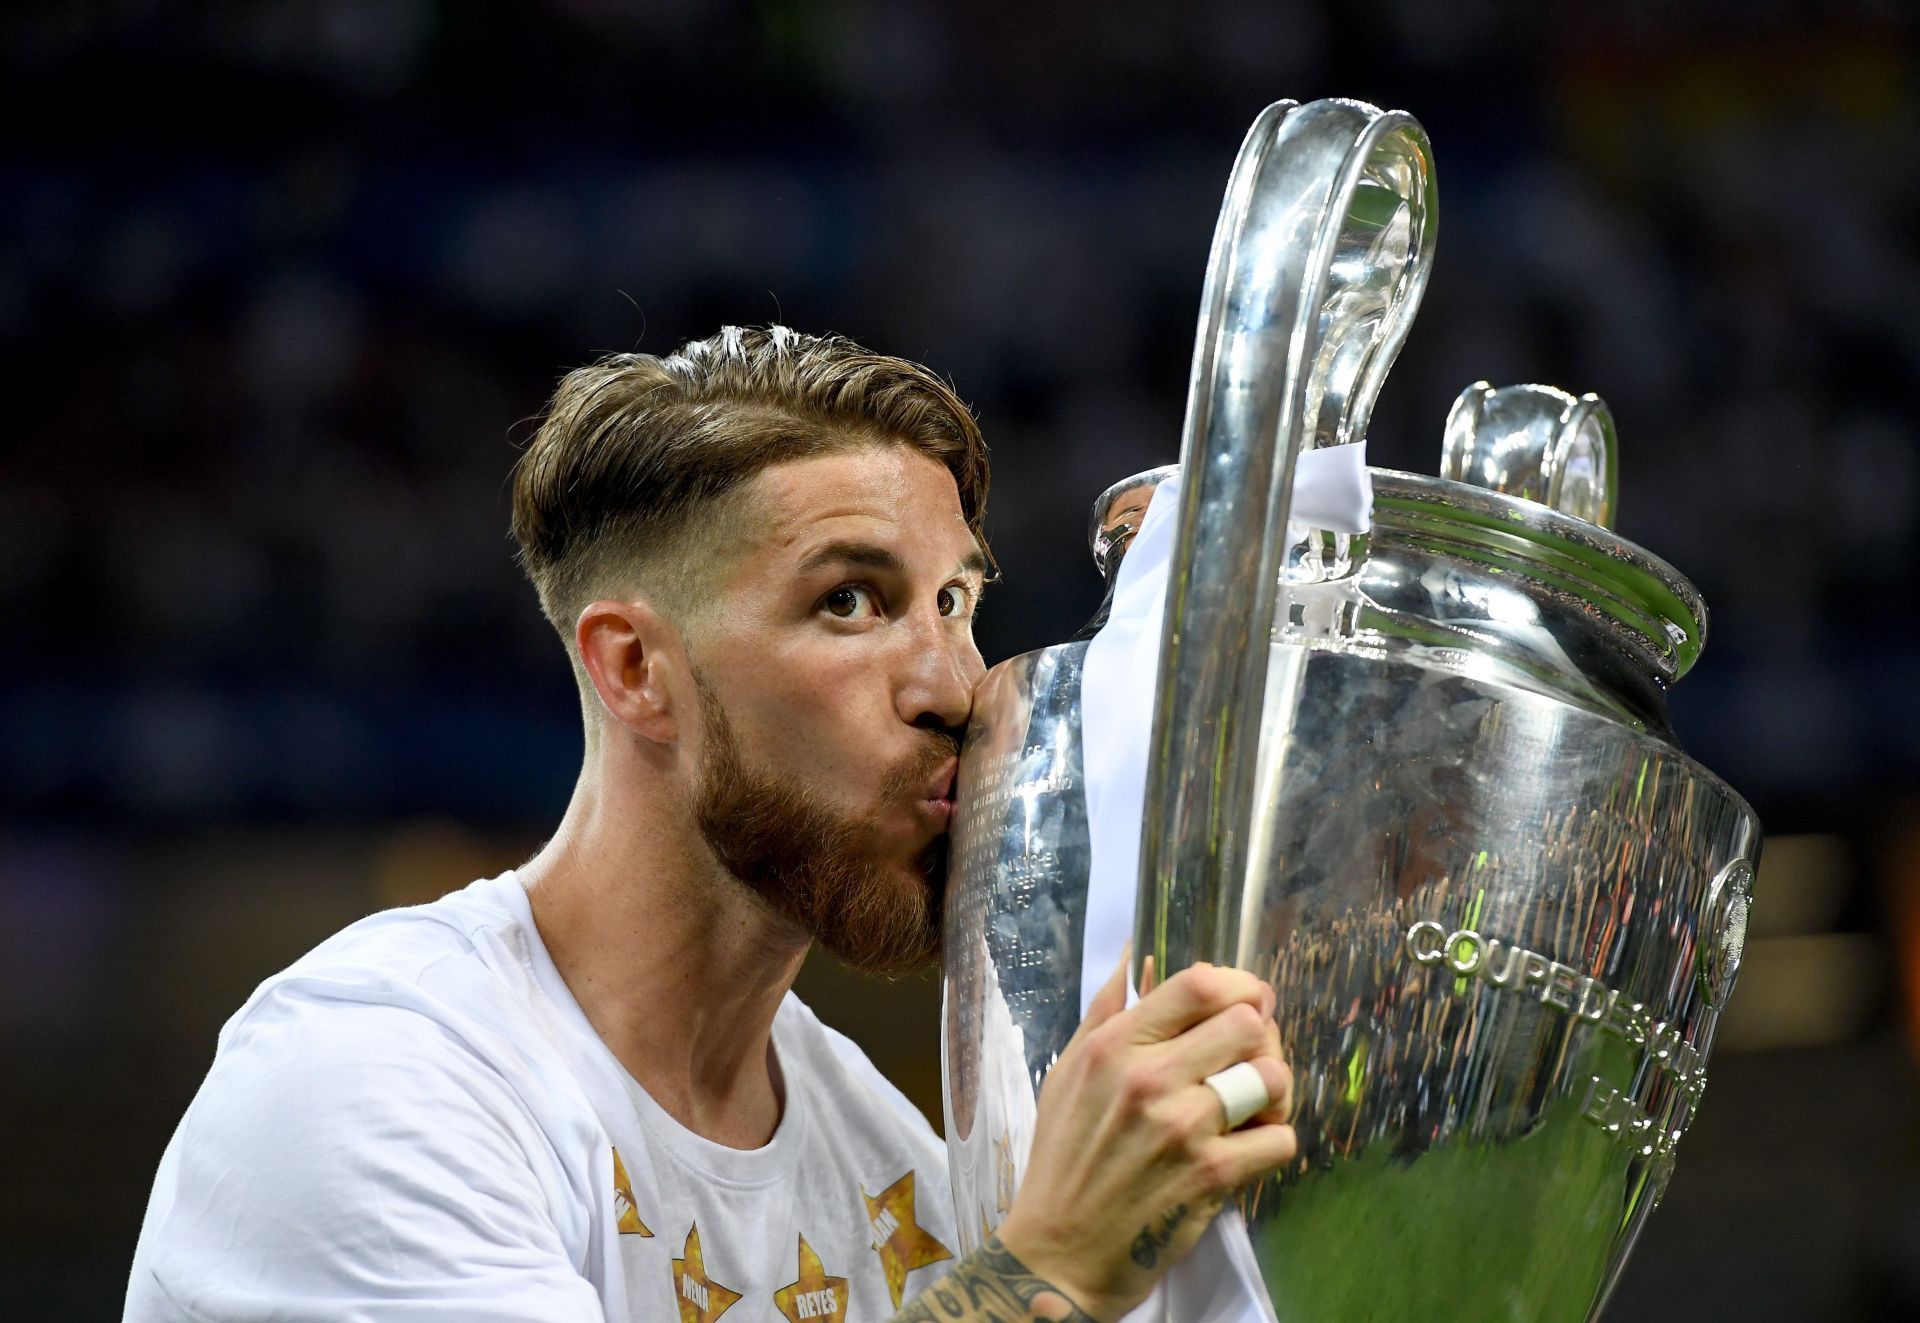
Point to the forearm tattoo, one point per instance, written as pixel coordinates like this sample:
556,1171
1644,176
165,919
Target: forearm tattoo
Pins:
1151,1240
990,1285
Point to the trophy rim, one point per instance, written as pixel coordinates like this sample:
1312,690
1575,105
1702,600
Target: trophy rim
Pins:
1642,593
1032,656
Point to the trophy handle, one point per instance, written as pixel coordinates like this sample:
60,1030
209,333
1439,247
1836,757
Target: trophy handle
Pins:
1319,259
1537,442
1109,537
1115,520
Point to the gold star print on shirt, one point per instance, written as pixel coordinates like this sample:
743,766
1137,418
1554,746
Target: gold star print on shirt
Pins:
630,1223
899,1240
701,1299
814,1295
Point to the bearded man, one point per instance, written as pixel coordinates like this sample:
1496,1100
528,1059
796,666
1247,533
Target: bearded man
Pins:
584,1089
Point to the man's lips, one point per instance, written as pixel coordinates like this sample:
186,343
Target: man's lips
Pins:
936,797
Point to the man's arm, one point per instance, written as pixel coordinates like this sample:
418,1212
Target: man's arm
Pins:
1131,1155
990,1285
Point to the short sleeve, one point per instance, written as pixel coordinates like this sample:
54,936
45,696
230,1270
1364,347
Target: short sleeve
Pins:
353,1161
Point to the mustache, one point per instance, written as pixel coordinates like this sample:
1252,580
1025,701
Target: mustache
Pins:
907,778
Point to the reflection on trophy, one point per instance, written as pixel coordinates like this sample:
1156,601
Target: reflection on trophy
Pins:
1420,776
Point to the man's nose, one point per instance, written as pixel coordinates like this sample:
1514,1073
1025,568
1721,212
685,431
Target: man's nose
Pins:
940,677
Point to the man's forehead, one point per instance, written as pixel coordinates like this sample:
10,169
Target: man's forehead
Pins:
879,492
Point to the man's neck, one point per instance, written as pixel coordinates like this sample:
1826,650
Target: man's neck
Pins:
677,966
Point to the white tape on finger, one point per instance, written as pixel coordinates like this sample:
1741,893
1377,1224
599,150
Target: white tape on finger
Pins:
1241,1090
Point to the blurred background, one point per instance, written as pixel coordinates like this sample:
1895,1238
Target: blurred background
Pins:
283,283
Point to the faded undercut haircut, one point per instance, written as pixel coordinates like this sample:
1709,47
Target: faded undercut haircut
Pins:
633,481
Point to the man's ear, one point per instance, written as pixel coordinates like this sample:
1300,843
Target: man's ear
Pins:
637,660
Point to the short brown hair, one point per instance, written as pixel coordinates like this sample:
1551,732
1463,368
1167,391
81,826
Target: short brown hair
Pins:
634,453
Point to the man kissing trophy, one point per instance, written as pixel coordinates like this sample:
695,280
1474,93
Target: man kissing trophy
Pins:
1398,744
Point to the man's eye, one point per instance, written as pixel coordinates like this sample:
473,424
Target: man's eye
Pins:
956,601
851,601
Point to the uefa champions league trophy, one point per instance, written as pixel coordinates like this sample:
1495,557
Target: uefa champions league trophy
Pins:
1421,777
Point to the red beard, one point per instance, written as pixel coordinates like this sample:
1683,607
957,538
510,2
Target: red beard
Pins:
818,866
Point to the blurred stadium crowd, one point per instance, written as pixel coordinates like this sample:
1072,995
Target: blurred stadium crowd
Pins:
281,279
282,283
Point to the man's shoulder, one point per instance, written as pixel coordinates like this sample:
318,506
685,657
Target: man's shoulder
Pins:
394,1068
420,957
401,1042
413,936
444,988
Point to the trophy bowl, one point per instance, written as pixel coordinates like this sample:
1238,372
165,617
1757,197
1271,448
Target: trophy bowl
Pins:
1421,777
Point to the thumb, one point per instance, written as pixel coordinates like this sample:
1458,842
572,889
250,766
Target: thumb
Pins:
1112,997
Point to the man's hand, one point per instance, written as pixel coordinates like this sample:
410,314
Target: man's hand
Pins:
1131,1155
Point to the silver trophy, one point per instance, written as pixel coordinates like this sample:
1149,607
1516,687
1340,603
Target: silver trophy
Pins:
1421,777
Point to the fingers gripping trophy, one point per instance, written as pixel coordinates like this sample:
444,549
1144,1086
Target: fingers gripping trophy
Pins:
1413,768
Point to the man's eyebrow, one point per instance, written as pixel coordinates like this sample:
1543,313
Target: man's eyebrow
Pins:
865,554
872,556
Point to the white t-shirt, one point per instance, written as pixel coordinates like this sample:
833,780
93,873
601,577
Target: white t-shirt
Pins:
415,1120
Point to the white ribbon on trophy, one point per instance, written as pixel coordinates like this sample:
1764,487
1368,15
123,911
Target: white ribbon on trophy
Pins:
1219,1282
